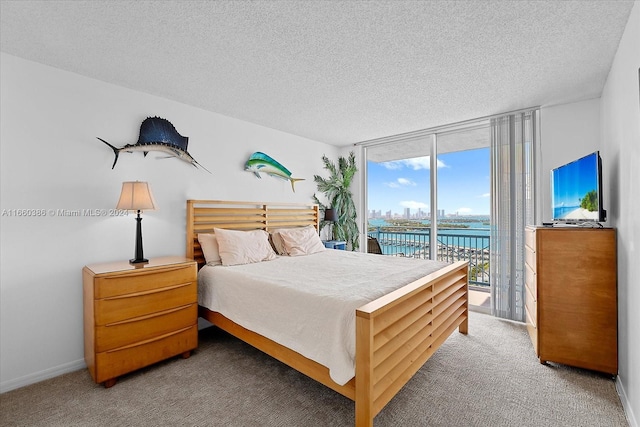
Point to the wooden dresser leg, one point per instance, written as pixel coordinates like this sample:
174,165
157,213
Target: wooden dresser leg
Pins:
110,383
186,354
543,362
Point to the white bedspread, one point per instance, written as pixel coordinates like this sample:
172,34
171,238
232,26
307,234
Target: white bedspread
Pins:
308,303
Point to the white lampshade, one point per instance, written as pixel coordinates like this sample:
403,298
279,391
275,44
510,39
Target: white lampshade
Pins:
136,196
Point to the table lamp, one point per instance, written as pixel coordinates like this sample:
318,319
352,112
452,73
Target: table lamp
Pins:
330,216
136,196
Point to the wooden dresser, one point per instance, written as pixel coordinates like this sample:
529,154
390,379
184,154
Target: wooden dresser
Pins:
571,296
138,315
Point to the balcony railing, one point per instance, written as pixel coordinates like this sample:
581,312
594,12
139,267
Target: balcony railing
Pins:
470,245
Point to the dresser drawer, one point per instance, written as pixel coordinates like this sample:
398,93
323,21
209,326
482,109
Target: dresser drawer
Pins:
530,237
531,281
112,363
532,306
530,257
123,307
143,280
532,328
137,329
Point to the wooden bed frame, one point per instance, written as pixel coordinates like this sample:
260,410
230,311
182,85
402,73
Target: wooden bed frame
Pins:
395,334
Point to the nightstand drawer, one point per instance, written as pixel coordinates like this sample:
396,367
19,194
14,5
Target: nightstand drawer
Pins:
115,309
143,328
111,364
143,280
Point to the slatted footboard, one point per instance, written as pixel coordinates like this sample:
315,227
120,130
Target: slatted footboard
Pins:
397,333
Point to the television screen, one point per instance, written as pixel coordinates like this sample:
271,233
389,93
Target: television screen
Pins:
576,193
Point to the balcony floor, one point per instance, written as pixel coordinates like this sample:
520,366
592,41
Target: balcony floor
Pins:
480,300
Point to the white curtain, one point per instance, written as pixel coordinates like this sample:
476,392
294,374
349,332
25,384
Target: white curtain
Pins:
513,140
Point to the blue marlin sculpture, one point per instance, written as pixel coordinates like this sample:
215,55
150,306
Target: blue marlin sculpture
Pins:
260,162
157,134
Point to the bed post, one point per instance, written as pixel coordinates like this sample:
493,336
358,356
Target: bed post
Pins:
190,252
364,371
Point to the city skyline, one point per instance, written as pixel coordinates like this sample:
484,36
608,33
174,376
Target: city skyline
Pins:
463,184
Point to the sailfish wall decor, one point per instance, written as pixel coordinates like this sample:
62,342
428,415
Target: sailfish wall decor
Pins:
158,134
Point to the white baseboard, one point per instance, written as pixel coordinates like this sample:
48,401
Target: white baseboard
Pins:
628,410
42,375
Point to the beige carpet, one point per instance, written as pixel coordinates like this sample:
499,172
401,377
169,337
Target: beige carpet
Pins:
490,377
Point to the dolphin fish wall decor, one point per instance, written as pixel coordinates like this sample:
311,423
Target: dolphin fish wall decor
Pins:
157,134
262,163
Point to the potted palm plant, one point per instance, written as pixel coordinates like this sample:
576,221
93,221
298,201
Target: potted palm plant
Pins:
336,190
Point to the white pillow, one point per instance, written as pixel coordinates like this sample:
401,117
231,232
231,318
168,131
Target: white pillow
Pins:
209,245
244,247
276,240
301,241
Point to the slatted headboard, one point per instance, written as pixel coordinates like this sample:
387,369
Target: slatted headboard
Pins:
205,215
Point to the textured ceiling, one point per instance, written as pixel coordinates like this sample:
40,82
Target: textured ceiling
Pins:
333,71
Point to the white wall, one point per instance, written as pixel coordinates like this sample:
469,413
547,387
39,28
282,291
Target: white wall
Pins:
620,113
51,159
610,124
567,132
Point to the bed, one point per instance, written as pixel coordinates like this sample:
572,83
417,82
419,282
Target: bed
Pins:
395,332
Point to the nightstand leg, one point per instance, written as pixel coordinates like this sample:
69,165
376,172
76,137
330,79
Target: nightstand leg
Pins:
186,354
110,383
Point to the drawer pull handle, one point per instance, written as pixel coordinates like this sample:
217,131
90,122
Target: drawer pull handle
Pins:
152,291
149,316
158,338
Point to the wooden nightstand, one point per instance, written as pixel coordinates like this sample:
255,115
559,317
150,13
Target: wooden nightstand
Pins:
135,316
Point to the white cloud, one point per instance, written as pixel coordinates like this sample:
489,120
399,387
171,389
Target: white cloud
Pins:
413,204
416,163
405,181
485,195
464,211
400,182
392,165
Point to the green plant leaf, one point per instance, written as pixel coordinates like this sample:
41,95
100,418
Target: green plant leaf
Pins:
336,189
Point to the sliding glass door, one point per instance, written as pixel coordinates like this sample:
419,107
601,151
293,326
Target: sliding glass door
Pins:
399,196
464,191
428,196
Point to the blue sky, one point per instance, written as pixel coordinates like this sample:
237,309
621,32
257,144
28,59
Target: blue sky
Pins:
463,184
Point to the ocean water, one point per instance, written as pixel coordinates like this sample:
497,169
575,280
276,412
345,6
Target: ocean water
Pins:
475,222
474,237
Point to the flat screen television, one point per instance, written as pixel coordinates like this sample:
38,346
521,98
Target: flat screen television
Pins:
576,190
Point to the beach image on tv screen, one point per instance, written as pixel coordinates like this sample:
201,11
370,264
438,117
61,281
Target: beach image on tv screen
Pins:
575,190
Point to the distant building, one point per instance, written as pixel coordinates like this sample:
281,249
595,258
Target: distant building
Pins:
407,213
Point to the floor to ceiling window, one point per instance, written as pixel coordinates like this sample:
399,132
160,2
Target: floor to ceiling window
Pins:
457,192
406,189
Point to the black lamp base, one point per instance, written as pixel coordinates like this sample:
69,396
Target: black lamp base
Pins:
139,259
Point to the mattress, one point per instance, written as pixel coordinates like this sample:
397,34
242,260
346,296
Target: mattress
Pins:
308,303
